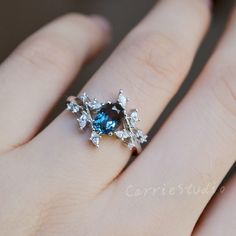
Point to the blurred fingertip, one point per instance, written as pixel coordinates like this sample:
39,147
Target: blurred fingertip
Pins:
102,22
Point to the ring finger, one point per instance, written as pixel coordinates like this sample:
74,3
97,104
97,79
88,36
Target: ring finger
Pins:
150,64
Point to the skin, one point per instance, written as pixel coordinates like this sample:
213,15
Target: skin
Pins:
53,182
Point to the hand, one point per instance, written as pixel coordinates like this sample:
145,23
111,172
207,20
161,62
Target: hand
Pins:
53,182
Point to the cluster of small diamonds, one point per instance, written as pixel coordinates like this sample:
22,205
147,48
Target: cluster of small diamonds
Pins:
86,109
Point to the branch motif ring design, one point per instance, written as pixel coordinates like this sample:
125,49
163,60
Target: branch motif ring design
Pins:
110,118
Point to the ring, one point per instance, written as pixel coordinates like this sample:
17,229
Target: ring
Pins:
110,118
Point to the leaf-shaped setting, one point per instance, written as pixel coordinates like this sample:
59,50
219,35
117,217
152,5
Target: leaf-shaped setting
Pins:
122,100
94,105
83,119
134,118
83,97
73,107
95,138
122,134
141,136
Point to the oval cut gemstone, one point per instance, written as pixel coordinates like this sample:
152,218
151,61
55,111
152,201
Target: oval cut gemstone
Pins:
109,118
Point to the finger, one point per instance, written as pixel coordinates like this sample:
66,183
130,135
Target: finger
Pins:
40,69
219,217
148,67
194,150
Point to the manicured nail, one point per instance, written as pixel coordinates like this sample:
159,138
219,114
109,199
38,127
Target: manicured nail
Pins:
102,21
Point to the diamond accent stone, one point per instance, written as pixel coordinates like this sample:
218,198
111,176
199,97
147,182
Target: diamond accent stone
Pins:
122,99
83,121
131,146
94,105
95,138
73,107
134,118
141,136
122,134
83,97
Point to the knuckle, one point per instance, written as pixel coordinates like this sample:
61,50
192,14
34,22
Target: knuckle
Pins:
159,55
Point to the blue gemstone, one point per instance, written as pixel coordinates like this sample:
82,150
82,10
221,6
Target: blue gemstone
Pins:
109,118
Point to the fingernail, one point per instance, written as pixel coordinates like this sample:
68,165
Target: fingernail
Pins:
102,21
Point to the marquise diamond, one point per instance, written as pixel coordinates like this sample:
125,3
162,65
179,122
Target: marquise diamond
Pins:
94,105
73,107
95,138
122,134
82,121
122,99
141,136
134,118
